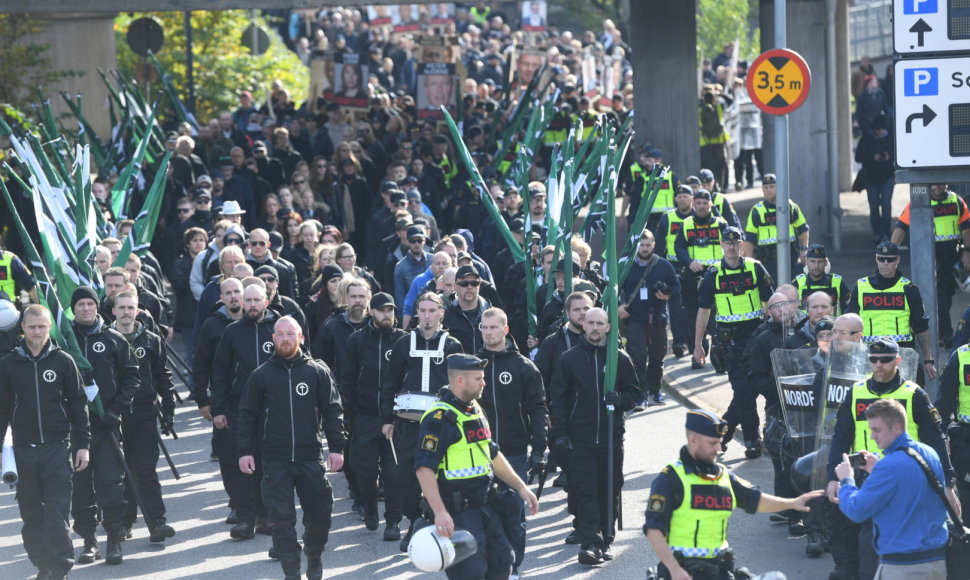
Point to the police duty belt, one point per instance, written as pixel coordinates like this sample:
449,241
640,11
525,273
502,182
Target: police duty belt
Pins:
426,356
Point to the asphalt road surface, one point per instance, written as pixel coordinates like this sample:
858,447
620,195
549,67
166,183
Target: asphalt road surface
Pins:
202,547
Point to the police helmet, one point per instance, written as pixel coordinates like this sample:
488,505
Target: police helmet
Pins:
801,472
430,552
9,316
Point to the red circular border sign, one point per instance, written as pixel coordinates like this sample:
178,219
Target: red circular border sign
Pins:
799,62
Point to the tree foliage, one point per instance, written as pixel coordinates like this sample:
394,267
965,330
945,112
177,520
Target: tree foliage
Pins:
222,67
722,21
24,65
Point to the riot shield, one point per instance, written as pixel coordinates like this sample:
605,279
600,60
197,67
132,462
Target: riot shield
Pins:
799,395
909,364
848,362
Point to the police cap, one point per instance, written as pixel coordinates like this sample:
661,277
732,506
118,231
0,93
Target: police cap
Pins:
702,194
731,234
684,190
884,346
706,175
693,180
465,362
816,251
706,423
380,300
887,249
768,179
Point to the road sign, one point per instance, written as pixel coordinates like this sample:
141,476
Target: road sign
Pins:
932,112
931,26
778,81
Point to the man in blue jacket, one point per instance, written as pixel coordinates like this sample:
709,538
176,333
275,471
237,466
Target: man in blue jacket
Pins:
908,515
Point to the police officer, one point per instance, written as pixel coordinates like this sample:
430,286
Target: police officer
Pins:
455,461
245,344
652,281
954,407
815,279
42,382
736,287
360,376
891,307
579,428
852,435
761,231
140,420
417,365
951,227
15,277
635,186
698,248
691,502
667,231
514,402
722,206
293,400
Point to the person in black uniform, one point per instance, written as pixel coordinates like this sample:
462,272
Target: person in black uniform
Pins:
284,305
692,543
43,383
417,365
292,401
736,289
245,344
102,488
360,378
514,401
140,421
455,461
579,428
464,314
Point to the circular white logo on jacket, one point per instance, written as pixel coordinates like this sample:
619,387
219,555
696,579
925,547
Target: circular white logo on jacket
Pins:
387,354
268,346
302,389
140,352
98,347
505,377
49,376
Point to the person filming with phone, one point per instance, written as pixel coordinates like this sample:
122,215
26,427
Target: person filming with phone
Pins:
854,433
908,515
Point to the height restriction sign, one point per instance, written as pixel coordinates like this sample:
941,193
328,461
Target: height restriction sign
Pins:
778,81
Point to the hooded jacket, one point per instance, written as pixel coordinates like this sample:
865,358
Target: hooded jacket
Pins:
115,366
403,372
578,391
294,402
244,346
156,378
514,400
42,398
360,372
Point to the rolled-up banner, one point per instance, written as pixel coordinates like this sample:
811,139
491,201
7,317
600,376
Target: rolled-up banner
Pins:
9,462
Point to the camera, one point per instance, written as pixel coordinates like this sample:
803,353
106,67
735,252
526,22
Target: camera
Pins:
662,287
857,460
709,97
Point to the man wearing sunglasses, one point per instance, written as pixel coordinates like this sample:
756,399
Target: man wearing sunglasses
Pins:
891,307
852,435
259,255
463,315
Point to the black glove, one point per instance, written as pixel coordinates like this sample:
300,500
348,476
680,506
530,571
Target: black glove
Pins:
564,444
168,421
536,460
109,423
612,398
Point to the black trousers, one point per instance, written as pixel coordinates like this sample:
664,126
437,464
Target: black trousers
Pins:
646,343
588,488
494,557
946,287
141,454
743,408
713,158
243,488
44,497
405,442
309,480
100,487
372,457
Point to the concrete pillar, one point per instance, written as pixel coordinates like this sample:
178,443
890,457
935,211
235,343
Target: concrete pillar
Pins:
81,42
807,138
665,91
842,75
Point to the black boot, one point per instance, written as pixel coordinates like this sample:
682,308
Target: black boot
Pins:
371,520
403,546
291,565
243,531
90,552
112,552
392,532
314,565
161,532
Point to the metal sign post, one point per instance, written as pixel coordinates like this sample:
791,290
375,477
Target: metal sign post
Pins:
922,251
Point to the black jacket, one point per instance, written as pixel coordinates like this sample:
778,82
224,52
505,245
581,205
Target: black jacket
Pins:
205,351
514,400
294,403
360,373
42,399
115,366
244,346
761,374
403,373
287,286
286,306
577,393
331,339
552,348
156,379
464,328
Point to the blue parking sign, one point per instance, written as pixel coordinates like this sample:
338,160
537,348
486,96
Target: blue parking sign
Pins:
921,82
919,7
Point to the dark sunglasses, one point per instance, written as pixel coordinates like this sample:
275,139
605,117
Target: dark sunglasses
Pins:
233,241
268,279
401,204
259,243
467,283
882,359
185,209
301,182
887,259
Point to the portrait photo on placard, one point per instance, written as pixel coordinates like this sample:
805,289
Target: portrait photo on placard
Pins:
534,15
436,87
350,80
